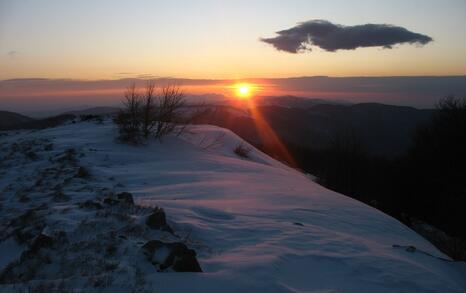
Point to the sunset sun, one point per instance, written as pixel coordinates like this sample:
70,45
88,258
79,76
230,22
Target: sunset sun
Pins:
243,91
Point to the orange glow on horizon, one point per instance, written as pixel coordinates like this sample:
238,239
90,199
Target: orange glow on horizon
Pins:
244,90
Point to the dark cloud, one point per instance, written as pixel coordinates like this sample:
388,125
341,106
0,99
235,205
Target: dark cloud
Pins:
332,37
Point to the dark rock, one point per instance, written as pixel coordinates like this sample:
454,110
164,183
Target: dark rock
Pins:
26,226
22,195
24,198
90,204
68,156
24,219
83,173
125,197
48,147
32,155
41,241
184,259
61,236
111,249
180,258
110,201
157,220
24,235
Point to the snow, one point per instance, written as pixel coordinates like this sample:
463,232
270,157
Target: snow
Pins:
256,224
10,251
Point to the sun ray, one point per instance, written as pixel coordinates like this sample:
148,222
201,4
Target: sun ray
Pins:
269,139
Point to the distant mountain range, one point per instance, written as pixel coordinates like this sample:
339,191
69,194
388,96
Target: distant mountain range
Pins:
95,111
383,129
295,102
14,121
9,120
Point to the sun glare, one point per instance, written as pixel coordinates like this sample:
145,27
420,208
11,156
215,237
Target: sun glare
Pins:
243,90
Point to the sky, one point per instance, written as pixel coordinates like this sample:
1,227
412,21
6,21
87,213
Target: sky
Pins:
217,39
233,40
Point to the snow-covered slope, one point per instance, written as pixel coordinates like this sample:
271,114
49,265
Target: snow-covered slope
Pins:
256,225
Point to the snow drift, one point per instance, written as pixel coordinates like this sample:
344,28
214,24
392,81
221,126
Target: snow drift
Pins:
256,225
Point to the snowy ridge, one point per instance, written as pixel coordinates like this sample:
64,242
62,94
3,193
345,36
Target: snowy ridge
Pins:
256,224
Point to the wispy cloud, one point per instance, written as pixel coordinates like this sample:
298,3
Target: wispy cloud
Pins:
146,76
12,54
135,75
332,37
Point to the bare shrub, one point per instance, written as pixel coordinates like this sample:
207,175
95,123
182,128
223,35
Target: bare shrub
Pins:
128,119
168,113
148,111
242,150
151,113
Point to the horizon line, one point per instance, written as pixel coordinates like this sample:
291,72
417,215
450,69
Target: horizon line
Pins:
226,79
